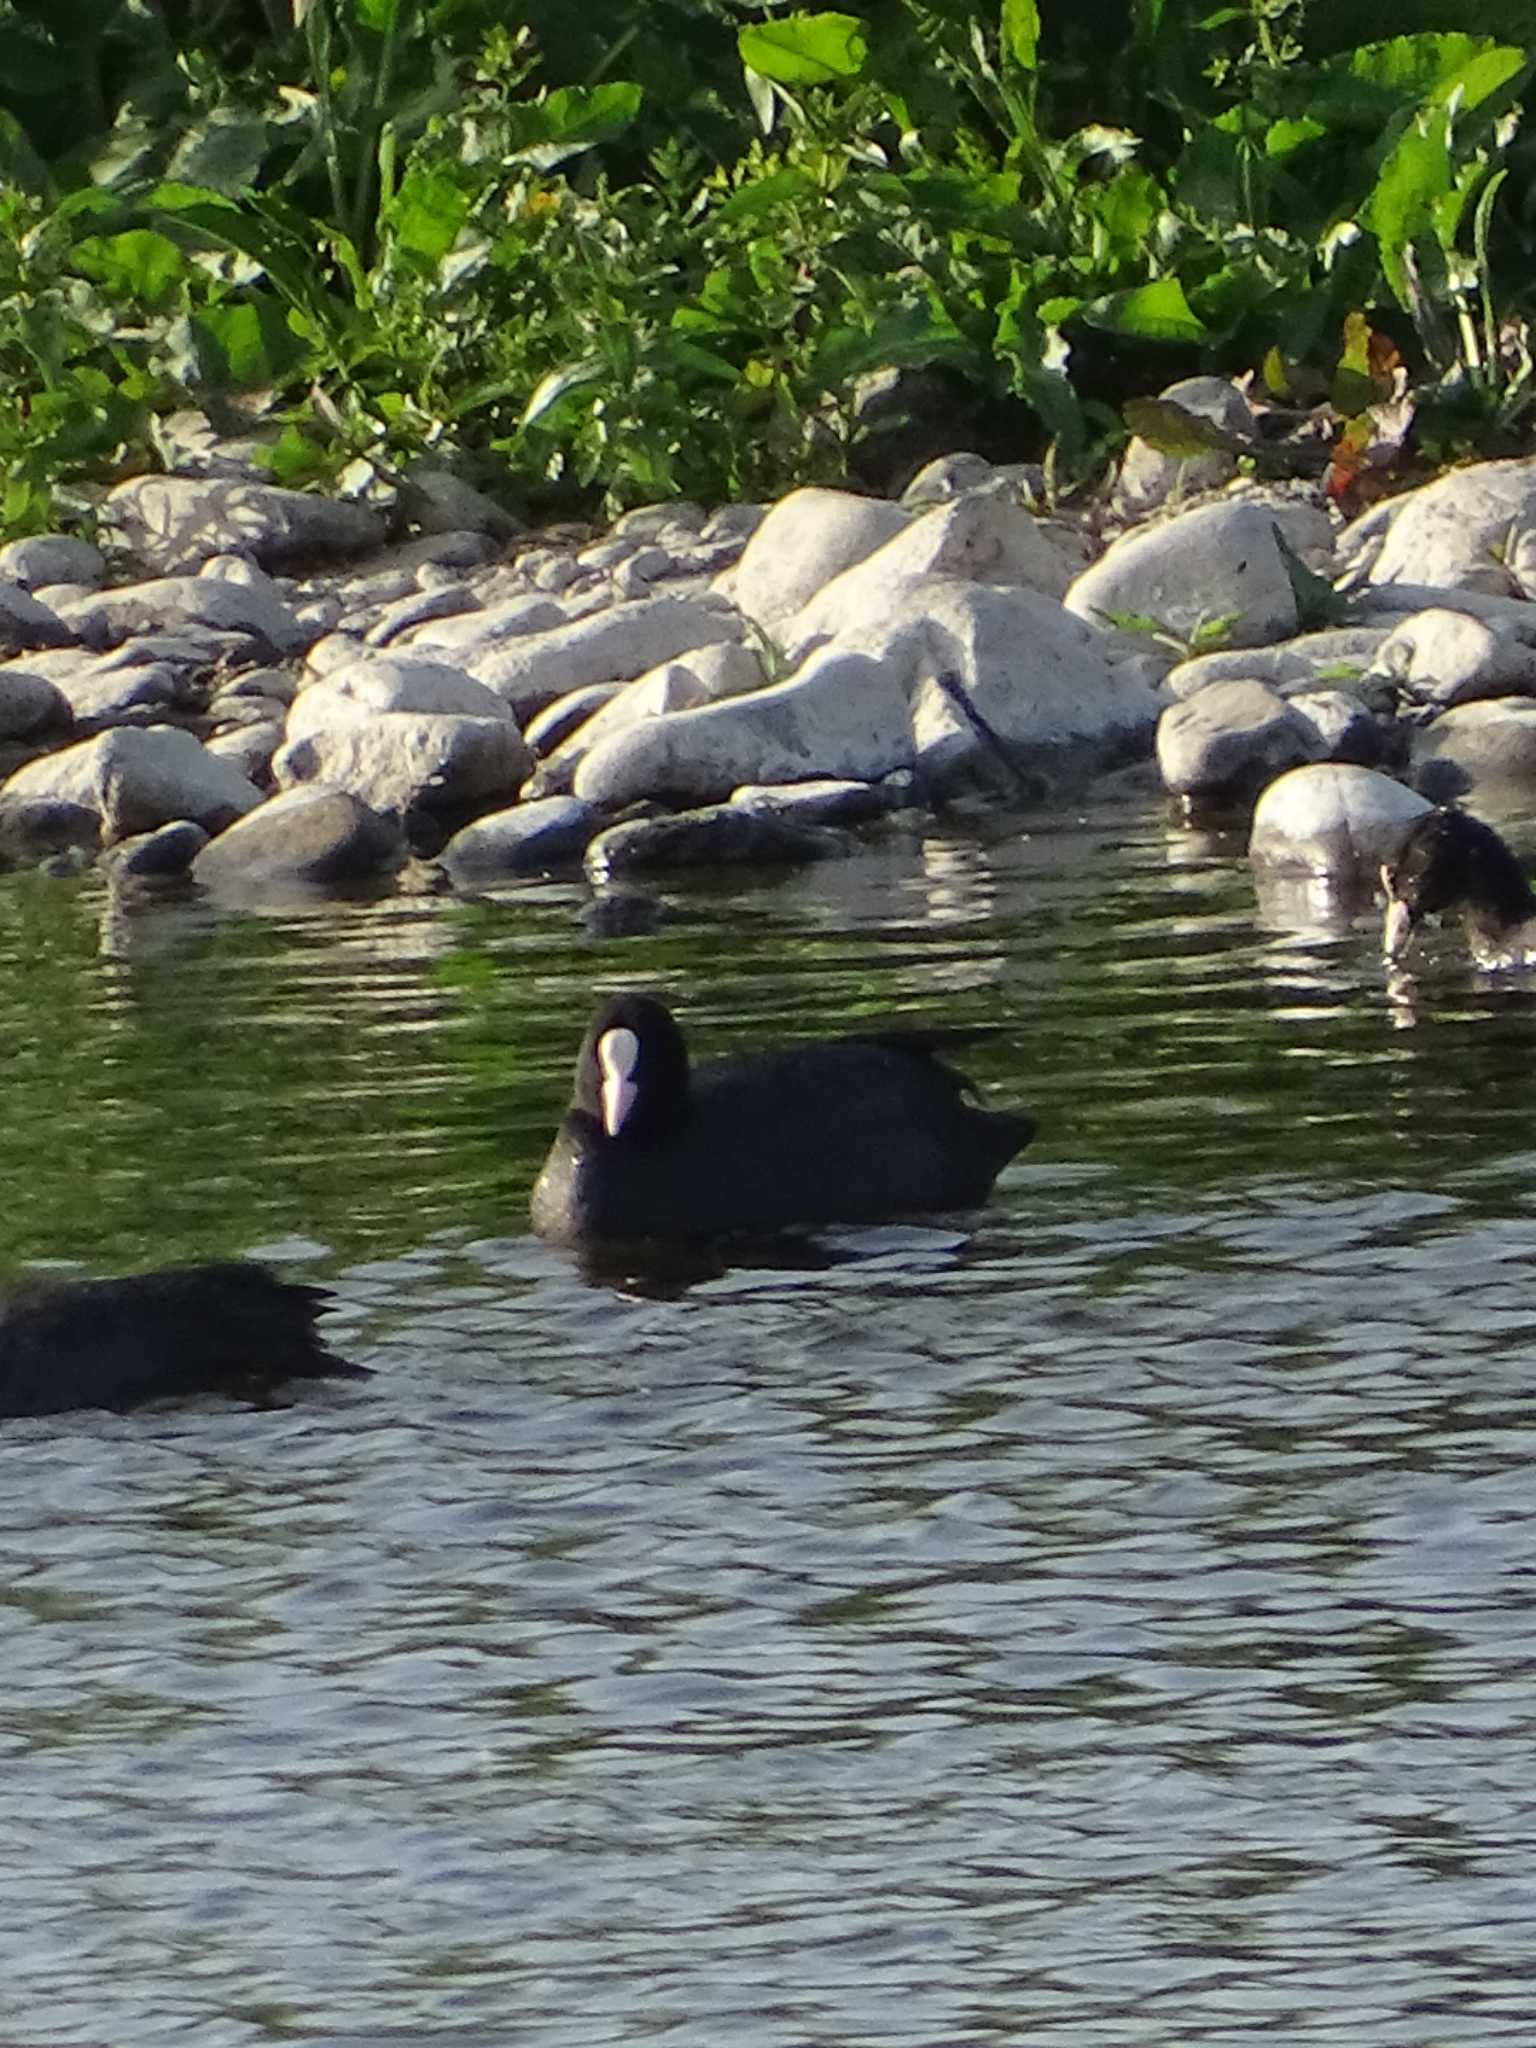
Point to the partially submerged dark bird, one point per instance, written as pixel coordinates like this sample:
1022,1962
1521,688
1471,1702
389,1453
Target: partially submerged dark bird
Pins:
1452,861
231,1328
840,1130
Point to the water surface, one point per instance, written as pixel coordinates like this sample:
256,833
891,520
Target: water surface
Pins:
1109,1620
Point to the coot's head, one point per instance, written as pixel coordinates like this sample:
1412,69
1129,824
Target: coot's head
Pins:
632,1070
1451,861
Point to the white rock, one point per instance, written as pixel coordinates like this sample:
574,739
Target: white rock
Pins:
137,780
1332,819
1443,657
808,538
611,646
527,839
401,760
1471,529
175,522
707,676
1492,739
360,690
508,619
979,537
1216,562
842,714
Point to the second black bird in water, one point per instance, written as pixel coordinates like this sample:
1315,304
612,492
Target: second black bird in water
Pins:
840,1130
226,1328
1453,861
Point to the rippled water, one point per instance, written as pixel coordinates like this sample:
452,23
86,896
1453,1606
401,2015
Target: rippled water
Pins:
1112,1623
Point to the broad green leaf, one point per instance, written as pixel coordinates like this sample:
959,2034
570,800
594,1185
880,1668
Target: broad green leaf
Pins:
1435,66
779,188
379,15
1172,429
249,345
1021,32
427,214
546,131
1156,312
1282,137
20,163
138,264
1416,174
804,49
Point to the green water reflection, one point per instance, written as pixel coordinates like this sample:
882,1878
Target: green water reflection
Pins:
181,1083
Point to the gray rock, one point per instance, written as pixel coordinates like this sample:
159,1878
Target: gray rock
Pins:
1332,820
25,623
435,500
1441,657
508,618
266,685
1225,744
32,828
1148,478
842,714
407,761
1342,729
30,704
137,781
362,690
611,646
644,567
254,616
172,523
1216,562
315,837
527,839
548,728
827,802
1312,661
46,558
333,651
1470,529
160,855
418,608
722,835
658,522
1492,740
805,540
249,748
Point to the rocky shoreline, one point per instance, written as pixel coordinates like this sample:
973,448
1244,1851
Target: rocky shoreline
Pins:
270,691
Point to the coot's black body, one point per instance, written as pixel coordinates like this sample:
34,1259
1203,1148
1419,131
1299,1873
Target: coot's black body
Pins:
845,1130
230,1328
1452,861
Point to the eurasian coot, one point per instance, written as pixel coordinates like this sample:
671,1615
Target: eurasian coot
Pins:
1452,861
231,1328
841,1130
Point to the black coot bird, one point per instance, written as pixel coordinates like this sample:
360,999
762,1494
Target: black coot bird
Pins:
230,1328
1452,861
841,1130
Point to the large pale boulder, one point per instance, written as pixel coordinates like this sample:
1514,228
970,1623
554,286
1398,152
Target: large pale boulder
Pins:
1217,562
841,714
1471,529
980,538
409,760
709,674
360,690
610,646
1332,820
135,780
809,537
172,523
